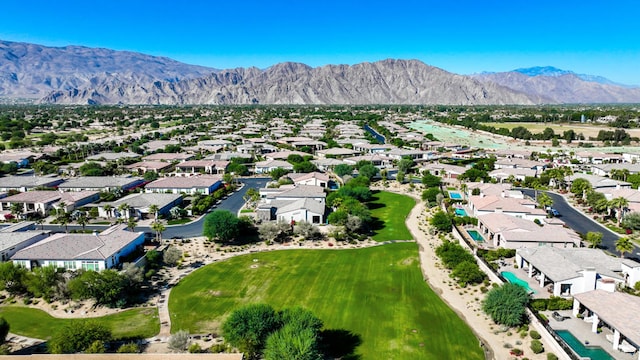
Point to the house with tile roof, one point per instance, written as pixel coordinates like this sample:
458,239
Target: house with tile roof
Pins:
203,184
512,232
572,271
96,251
16,237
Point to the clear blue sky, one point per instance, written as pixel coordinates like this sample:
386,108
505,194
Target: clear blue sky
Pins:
588,36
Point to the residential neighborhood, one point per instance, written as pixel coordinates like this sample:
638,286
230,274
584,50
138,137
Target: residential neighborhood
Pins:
560,223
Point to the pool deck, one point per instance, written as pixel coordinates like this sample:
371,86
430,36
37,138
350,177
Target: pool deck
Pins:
533,283
582,331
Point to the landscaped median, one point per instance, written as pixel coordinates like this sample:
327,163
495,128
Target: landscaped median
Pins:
376,295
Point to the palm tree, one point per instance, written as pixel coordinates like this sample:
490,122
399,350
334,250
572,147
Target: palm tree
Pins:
63,219
544,200
131,224
154,209
82,220
624,245
619,204
123,209
108,208
158,227
594,239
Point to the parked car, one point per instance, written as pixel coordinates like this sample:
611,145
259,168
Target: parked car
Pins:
554,212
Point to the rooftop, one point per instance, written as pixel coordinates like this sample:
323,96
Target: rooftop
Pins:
616,309
562,264
65,246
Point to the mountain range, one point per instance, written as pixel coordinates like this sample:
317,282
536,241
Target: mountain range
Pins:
81,75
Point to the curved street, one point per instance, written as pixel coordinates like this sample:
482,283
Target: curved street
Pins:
581,222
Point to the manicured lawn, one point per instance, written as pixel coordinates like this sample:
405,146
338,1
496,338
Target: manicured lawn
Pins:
36,323
391,211
179,221
376,293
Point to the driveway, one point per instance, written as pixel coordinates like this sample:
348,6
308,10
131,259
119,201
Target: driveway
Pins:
580,222
233,203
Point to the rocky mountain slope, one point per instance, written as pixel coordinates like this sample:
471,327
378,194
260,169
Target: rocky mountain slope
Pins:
383,82
81,75
33,71
562,88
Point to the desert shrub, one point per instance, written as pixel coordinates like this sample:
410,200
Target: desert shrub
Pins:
179,340
130,348
536,346
535,335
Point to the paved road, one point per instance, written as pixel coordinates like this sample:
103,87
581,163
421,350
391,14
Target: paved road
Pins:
579,221
233,203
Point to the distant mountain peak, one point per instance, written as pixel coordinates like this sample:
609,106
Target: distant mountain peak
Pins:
554,71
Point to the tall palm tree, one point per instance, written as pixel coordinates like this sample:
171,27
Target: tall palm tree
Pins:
124,209
158,227
108,208
624,245
619,204
154,209
131,224
82,220
63,219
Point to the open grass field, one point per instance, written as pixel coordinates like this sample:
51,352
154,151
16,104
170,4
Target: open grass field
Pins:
376,293
586,130
38,324
390,211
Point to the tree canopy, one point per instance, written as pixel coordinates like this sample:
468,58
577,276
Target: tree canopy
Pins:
78,336
506,304
221,225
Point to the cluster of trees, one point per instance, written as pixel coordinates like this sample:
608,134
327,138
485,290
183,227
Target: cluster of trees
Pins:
464,267
223,226
260,331
201,203
479,171
441,221
432,195
301,164
349,205
89,337
108,287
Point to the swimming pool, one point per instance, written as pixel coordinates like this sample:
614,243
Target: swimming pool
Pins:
461,212
593,352
475,235
512,278
455,195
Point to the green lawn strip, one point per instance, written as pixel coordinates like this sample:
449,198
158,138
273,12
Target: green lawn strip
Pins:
38,324
377,293
391,210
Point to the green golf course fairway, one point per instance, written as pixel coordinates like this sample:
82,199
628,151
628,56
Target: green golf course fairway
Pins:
377,293
391,211
25,321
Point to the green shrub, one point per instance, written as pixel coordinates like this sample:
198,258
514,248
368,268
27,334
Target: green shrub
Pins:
536,346
130,348
195,348
552,356
535,335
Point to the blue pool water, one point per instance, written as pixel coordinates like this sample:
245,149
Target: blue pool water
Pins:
512,278
475,235
461,212
455,195
593,352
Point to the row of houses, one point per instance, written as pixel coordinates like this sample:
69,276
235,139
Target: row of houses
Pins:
73,193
